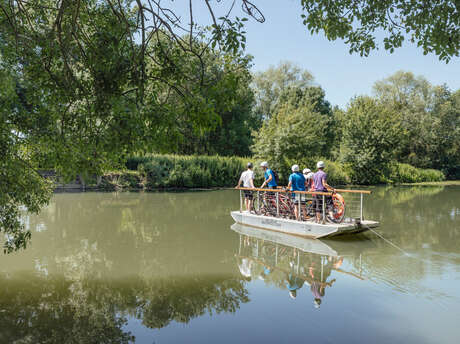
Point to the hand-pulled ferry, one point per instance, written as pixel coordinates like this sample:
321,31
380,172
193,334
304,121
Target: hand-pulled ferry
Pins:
275,209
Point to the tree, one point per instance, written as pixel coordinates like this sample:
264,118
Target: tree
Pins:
232,100
270,84
91,82
301,127
429,119
370,131
432,25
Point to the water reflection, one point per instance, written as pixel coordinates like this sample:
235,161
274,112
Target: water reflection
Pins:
290,263
99,261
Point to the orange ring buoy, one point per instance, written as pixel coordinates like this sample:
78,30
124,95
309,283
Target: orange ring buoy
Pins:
339,208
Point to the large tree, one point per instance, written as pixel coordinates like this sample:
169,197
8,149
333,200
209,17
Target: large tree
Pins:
302,126
90,81
271,83
429,117
370,131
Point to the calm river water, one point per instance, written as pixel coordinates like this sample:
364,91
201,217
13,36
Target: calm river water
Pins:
170,268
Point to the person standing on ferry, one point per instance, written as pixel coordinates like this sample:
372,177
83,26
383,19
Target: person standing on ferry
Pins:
308,174
321,185
269,176
296,183
247,178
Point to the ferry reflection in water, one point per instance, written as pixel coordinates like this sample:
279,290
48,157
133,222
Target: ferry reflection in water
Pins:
289,262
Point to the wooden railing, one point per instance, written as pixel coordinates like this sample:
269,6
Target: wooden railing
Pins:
285,190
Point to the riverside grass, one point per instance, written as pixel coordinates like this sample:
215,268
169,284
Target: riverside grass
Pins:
159,171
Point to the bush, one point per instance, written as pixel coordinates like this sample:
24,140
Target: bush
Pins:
178,171
405,173
133,162
119,180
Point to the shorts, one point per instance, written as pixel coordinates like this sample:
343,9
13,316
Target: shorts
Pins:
318,202
248,195
297,197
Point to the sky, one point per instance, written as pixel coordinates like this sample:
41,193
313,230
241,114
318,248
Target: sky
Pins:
283,37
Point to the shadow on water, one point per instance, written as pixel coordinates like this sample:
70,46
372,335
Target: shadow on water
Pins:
99,259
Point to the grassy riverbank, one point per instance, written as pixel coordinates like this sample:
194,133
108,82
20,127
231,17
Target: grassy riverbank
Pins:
443,183
155,172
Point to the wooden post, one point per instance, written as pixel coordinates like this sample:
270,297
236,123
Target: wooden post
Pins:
361,209
241,202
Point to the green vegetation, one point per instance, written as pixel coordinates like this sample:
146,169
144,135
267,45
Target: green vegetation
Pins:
432,25
404,133
154,172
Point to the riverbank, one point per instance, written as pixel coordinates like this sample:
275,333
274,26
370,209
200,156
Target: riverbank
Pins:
179,172
443,183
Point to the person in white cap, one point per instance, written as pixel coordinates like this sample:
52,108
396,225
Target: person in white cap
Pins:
247,178
269,176
296,183
308,174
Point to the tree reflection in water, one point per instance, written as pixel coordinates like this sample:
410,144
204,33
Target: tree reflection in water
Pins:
98,260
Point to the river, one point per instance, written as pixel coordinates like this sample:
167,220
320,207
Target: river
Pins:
170,268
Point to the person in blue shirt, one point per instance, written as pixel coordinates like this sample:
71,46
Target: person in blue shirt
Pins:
269,176
296,183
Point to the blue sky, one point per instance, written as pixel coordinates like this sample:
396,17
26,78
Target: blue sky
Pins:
284,37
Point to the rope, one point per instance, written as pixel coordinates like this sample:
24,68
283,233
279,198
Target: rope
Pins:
388,241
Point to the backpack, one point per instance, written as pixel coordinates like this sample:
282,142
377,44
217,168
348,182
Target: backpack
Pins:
277,179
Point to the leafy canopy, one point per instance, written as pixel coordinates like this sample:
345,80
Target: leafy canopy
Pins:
301,127
271,83
370,131
90,81
432,25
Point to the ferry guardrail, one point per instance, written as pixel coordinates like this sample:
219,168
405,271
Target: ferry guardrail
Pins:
312,193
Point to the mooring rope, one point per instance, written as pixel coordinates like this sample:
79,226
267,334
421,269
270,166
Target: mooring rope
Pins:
386,240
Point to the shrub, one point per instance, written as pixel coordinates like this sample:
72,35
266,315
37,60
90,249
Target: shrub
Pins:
119,180
405,173
178,171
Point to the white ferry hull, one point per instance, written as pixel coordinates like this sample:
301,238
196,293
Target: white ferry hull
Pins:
301,228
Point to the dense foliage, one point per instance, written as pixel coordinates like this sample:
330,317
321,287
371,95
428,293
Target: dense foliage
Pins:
429,118
88,82
301,126
370,132
271,83
408,124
